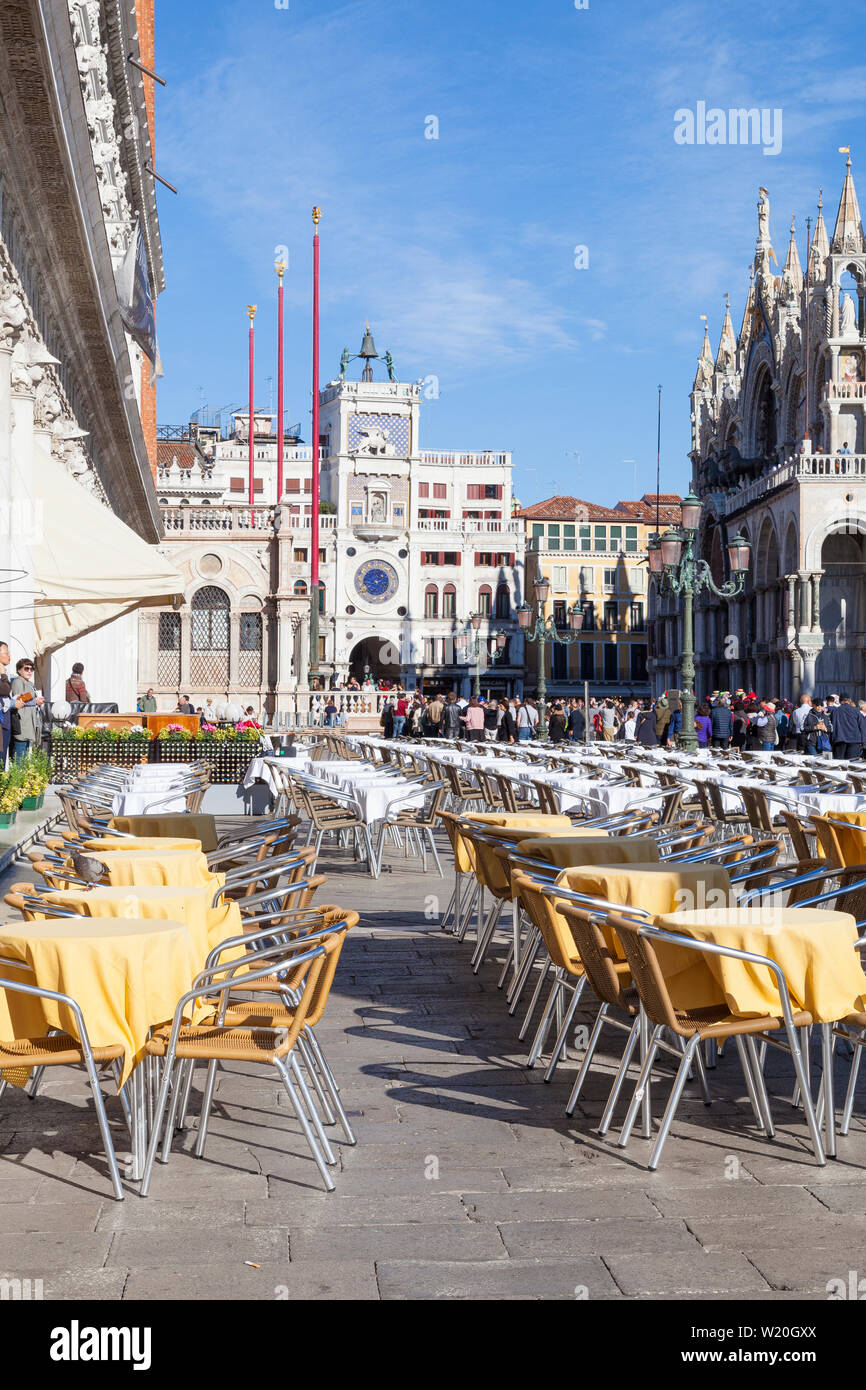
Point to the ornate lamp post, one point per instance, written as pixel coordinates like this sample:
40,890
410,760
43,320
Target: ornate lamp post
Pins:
542,631
473,649
677,570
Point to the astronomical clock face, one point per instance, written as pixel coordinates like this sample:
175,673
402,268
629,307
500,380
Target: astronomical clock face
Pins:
376,581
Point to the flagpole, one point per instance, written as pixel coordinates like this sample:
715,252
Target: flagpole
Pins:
281,270
251,310
314,519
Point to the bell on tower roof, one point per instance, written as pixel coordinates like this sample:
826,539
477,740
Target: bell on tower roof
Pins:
367,353
368,347
848,235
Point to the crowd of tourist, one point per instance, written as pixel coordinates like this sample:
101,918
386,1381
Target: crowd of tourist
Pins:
835,727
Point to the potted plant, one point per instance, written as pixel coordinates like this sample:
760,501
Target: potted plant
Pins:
35,776
10,796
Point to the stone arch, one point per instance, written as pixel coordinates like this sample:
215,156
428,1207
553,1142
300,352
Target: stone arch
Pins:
791,553
842,610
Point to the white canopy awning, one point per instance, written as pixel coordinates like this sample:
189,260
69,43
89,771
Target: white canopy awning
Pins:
88,566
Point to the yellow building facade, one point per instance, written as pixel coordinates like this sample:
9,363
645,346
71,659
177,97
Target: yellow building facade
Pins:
596,557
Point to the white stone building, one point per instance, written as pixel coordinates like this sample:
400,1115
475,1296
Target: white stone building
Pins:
77,195
412,543
800,625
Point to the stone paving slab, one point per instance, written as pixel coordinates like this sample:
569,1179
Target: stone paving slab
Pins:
468,1181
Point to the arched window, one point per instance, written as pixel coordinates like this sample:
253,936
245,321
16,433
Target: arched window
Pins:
300,588
209,657
449,601
485,600
431,601
503,601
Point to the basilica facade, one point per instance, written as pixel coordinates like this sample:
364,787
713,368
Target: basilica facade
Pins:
778,421
412,543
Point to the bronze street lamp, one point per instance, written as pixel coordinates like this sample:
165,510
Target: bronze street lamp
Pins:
542,631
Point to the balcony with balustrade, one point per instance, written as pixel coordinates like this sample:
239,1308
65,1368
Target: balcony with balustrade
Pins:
232,520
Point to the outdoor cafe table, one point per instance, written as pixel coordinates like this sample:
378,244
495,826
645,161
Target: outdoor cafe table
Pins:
207,925
655,887
374,793
195,825
138,842
144,868
568,851
126,974
850,830
813,948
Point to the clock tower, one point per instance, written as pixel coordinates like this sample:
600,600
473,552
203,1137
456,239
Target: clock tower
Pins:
369,439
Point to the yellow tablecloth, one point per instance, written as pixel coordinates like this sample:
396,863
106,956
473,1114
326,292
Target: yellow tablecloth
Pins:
852,843
143,842
815,950
195,825
510,820
125,975
655,887
568,851
144,868
208,926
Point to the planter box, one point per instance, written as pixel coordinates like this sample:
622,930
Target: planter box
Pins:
7,818
32,803
70,759
228,761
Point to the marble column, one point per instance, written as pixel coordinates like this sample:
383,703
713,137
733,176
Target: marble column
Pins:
185,649
816,602
234,652
809,660
805,601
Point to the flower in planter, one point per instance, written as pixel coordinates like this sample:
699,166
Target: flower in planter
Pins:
136,733
174,731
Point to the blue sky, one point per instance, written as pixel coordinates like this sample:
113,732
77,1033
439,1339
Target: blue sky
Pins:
556,130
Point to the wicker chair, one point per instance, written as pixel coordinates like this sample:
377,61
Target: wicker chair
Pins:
714,1023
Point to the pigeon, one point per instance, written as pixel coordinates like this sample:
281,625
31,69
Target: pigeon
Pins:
86,867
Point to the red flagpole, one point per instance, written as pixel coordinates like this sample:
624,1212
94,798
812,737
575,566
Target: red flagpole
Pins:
251,310
314,526
281,270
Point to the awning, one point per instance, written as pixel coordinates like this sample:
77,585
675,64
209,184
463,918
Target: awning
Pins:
88,567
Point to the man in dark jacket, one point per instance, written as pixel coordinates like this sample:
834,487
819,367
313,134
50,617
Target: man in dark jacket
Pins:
645,728
846,733
507,730
451,727
577,722
723,725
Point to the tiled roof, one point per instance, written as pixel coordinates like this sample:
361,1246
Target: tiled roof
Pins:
568,509
167,450
669,504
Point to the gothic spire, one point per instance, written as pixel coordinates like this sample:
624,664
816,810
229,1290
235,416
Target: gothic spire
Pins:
749,311
848,235
820,247
704,375
727,353
792,274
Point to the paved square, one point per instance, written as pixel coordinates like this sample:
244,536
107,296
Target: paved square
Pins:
468,1180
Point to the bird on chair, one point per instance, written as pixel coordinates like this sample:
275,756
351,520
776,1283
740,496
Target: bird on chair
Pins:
86,867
